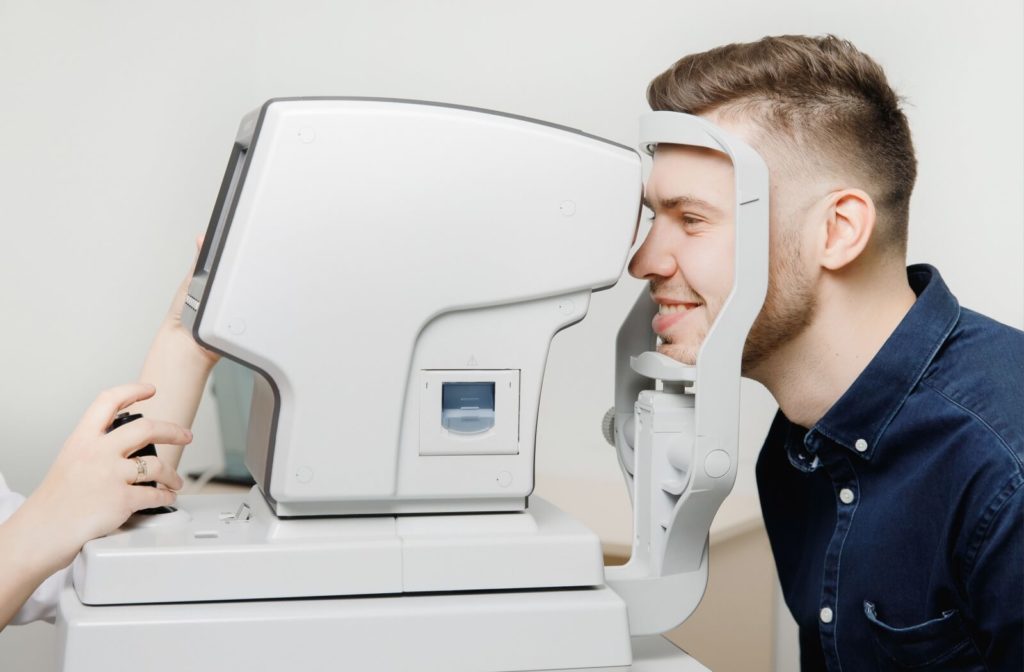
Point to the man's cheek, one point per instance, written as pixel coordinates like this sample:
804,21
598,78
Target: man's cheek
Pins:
700,273
715,276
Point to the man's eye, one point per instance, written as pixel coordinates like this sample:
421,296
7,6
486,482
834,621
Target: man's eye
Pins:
692,221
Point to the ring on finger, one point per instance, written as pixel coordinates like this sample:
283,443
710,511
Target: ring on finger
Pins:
140,469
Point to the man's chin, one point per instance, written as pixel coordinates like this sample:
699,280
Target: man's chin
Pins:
678,352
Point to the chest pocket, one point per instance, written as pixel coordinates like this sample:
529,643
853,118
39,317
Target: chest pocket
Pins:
939,644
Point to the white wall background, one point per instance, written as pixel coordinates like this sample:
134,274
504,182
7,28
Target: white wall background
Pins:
116,118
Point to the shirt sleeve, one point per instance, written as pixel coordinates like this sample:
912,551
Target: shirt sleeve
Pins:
995,582
42,604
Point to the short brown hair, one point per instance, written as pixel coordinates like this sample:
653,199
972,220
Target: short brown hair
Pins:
821,94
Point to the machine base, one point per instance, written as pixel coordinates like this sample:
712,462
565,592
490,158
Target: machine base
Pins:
477,632
653,653
217,548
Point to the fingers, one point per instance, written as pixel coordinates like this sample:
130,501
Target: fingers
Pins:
195,258
152,470
126,439
179,297
109,402
150,498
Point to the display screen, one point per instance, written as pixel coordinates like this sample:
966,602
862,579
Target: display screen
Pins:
467,407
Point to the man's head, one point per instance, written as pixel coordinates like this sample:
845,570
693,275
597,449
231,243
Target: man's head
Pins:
842,169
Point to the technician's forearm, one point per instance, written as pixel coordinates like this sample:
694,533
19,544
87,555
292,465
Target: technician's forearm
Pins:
179,369
25,562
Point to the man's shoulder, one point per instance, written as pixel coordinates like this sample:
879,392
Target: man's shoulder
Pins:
974,325
978,374
965,418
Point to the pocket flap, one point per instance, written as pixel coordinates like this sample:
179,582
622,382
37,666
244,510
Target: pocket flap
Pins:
939,639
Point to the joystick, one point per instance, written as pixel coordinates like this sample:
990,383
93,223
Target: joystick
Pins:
148,450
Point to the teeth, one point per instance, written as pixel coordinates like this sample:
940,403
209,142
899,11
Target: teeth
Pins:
668,310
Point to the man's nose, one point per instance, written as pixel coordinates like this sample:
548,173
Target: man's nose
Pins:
654,259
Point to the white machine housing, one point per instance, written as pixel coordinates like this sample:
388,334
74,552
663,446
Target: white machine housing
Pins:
382,251
254,579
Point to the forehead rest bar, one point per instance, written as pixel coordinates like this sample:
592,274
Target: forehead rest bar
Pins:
675,128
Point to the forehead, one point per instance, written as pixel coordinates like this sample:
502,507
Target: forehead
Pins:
694,172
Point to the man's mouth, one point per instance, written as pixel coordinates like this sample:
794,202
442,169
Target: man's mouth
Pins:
668,309
670,313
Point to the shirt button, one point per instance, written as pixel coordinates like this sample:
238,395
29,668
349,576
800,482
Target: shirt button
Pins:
846,496
826,615
861,445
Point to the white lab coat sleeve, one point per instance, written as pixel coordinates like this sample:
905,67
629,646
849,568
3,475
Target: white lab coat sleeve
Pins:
42,604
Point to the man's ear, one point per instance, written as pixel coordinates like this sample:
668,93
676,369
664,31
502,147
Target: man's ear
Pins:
850,222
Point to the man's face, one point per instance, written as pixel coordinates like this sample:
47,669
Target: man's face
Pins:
688,254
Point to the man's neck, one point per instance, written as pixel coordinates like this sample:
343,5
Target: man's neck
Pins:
854,319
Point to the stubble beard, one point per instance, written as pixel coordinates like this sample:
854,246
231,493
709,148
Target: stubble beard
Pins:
789,308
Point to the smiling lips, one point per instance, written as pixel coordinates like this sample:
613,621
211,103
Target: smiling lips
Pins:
669,313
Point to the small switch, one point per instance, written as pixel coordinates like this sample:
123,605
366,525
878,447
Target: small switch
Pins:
243,513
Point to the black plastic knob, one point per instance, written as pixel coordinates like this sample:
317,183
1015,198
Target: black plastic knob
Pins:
148,450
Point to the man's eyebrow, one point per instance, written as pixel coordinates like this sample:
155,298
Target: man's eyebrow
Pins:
684,200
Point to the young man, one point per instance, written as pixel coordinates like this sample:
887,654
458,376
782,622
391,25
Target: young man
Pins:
891,481
89,491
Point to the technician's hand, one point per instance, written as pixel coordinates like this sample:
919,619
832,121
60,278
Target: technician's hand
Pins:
89,490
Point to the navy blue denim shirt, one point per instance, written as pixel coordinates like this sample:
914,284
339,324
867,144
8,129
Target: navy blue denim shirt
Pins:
897,521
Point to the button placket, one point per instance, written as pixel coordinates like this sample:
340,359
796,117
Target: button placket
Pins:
840,470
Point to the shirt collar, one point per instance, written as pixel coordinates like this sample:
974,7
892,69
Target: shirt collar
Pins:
862,414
